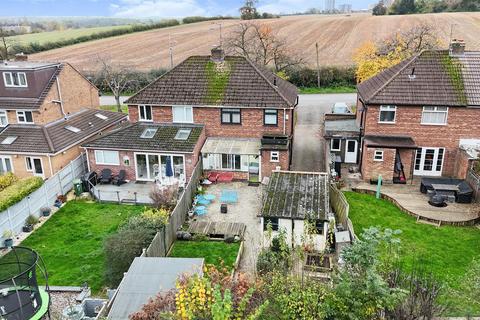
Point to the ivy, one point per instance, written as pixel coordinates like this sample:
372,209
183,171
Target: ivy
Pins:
218,76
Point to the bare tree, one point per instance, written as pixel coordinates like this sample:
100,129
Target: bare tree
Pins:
411,41
260,44
115,76
6,45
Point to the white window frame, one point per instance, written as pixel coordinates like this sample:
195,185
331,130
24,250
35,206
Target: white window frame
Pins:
29,161
435,110
420,171
378,156
2,163
103,158
187,110
387,108
267,113
274,156
11,75
144,107
339,144
24,115
28,164
5,114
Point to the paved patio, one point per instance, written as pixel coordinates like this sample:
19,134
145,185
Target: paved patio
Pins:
130,192
410,200
244,211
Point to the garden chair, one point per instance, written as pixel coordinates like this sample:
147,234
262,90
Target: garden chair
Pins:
105,176
120,178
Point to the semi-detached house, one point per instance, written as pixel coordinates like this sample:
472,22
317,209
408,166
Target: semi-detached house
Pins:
245,112
421,117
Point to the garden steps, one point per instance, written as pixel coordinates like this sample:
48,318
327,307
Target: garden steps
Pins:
435,223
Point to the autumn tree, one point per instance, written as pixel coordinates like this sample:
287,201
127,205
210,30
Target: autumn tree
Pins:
115,76
5,45
260,44
373,57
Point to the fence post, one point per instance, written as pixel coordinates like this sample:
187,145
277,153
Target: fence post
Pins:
60,182
45,193
118,196
99,197
135,193
71,170
9,219
28,205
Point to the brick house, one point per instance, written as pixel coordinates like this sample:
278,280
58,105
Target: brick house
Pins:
144,150
248,112
416,117
47,109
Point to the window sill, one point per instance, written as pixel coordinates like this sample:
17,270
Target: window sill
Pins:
375,160
335,150
433,124
270,125
386,122
142,120
231,124
107,164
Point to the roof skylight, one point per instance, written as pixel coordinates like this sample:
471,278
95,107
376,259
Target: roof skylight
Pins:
9,140
73,129
101,116
149,133
183,134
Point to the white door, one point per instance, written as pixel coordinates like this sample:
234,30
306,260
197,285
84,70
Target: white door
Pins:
351,147
429,161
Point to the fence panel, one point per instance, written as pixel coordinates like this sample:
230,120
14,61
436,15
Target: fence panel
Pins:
164,239
339,204
14,217
474,180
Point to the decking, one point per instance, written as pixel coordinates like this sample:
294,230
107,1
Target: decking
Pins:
409,199
217,229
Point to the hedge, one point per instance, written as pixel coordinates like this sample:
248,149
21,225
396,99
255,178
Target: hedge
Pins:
330,76
194,19
19,190
7,180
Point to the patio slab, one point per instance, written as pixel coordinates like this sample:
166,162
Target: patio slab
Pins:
244,211
125,193
410,200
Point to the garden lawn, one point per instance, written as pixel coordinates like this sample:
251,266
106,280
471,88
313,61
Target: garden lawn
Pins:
446,251
71,242
214,252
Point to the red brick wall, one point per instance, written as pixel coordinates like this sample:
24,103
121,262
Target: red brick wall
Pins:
462,164
251,126
371,168
462,123
237,175
268,166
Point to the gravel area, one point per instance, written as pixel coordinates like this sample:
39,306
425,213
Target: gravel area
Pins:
59,301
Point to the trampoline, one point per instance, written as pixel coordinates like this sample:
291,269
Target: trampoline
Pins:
20,296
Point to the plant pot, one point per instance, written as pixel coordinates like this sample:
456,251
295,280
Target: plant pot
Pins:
27,228
45,211
8,242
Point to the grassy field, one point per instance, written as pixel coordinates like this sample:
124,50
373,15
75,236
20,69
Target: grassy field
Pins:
340,89
214,252
71,242
51,36
446,251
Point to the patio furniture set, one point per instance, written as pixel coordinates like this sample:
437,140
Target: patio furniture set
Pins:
106,177
201,202
443,190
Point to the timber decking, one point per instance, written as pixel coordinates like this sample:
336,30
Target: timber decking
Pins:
217,228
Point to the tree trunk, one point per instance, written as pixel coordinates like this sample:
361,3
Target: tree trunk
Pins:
117,100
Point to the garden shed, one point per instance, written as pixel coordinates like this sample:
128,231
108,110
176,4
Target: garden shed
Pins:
292,198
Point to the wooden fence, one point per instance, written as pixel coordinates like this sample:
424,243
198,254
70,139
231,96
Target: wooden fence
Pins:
164,239
339,204
474,180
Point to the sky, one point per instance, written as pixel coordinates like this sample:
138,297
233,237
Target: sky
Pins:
155,8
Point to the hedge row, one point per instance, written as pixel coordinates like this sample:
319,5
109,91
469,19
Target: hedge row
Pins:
7,180
194,19
19,190
34,47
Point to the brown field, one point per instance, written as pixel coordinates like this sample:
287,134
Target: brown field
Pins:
338,37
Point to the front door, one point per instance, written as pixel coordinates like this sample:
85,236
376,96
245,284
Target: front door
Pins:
351,147
429,161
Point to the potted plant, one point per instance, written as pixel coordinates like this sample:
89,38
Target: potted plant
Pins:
8,236
29,223
45,211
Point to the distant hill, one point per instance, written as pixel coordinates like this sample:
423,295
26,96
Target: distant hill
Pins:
337,35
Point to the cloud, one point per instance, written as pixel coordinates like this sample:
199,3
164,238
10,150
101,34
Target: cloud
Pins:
157,8
287,6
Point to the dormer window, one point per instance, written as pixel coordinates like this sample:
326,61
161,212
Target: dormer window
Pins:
24,117
15,79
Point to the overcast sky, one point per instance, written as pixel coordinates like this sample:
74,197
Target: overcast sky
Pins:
154,8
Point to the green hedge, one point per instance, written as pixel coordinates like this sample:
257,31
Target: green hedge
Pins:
7,180
19,190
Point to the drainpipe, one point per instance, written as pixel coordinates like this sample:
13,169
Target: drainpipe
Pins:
50,164
284,121
60,101
88,160
361,142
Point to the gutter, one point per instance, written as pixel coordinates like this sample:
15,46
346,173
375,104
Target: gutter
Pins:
138,150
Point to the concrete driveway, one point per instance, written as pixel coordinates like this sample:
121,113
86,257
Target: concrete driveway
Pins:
308,144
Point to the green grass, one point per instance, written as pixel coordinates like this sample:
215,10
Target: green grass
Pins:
446,251
52,36
325,90
114,108
214,252
71,242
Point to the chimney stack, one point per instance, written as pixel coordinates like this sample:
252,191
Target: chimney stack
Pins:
21,57
457,48
218,55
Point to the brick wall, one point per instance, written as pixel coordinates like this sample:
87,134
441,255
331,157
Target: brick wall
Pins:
462,164
237,175
371,168
20,167
251,127
269,166
462,123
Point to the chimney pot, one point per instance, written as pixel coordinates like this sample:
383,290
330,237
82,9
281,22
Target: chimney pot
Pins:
457,48
21,57
218,55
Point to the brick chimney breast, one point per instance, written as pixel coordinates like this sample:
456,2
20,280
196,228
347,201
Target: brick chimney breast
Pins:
457,48
21,57
218,55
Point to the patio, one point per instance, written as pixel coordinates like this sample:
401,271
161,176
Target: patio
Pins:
409,199
130,192
244,211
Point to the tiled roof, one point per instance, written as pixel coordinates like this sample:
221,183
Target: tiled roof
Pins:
430,78
54,137
129,138
296,195
31,103
236,82
403,142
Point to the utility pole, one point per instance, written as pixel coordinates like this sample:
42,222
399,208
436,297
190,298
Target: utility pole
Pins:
318,66
171,43
219,24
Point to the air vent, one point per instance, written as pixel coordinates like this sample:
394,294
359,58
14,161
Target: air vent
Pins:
73,129
101,116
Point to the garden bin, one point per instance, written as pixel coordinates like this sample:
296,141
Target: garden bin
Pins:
77,187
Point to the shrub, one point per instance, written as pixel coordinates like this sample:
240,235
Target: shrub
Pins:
31,220
158,217
330,76
164,198
7,180
19,190
194,19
